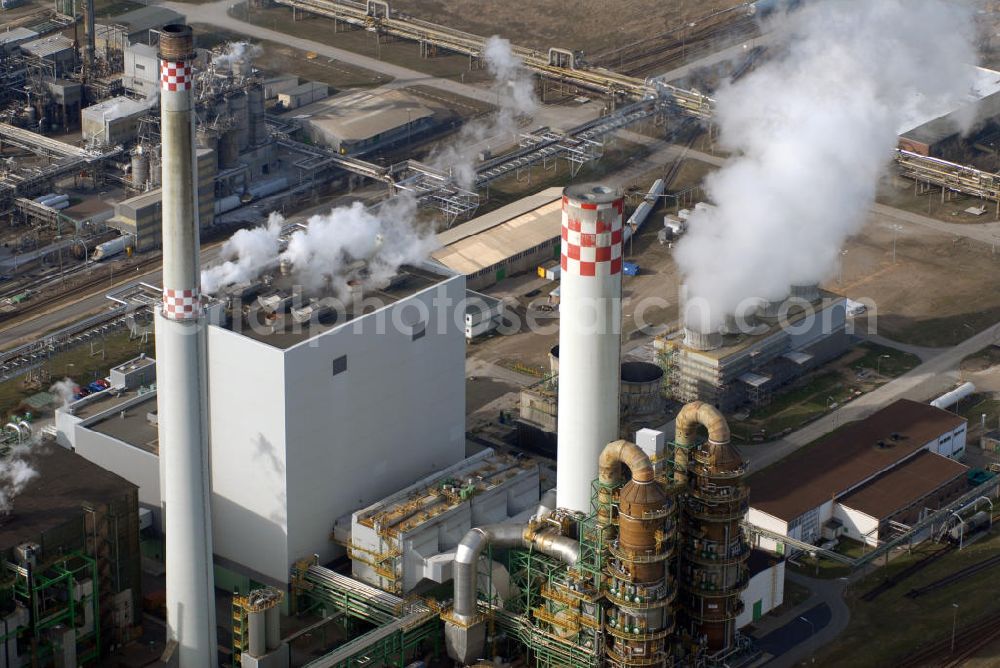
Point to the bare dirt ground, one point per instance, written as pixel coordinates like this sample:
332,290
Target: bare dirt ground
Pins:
941,290
589,25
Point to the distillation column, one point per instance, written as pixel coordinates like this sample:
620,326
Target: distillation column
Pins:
589,337
639,586
714,551
181,371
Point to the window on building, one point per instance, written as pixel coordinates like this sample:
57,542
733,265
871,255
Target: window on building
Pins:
339,365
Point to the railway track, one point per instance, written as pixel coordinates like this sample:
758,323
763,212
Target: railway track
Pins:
955,577
74,292
894,580
968,641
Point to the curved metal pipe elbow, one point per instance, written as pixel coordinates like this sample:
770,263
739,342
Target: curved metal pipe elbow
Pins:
466,562
546,505
707,415
629,454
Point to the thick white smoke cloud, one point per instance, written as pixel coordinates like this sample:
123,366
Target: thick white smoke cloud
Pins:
63,389
15,474
515,89
811,132
384,240
326,252
237,53
245,255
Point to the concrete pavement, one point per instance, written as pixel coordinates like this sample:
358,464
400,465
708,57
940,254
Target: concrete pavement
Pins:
796,640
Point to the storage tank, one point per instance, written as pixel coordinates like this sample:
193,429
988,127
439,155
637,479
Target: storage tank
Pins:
229,152
239,112
110,248
140,168
951,398
640,389
258,122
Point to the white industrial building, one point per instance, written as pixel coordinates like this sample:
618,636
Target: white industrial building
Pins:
890,466
307,423
766,588
410,537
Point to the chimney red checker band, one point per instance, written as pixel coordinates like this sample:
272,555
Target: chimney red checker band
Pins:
592,247
175,76
181,304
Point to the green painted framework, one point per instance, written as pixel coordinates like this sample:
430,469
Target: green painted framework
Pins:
393,649
33,585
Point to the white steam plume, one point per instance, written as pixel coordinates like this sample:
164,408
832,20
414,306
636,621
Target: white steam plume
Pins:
515,89
15,474
383,239
811,132
245,255
237,53
64,390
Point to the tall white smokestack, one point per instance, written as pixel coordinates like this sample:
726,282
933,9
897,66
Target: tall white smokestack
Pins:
180,357
589,337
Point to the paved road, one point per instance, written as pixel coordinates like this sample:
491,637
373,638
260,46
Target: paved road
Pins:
791,640
987,232
934,376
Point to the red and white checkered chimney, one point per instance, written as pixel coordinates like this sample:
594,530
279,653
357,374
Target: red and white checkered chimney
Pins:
181,371
589,337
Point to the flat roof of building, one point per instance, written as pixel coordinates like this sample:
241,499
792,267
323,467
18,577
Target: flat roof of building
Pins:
284,332
116,106
46,46
360,115
66,482
986,82
496,236
841,461
133,427
900,486
145,18
14,35
734,344
411,507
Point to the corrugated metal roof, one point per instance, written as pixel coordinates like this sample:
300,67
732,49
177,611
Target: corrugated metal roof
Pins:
17,35
46,46
503,240
361,115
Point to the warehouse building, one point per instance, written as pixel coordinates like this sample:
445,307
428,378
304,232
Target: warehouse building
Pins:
137,26
302,94
319,446
72,585
113,121
57,49
884,469
943,131
12,38
512,239
360,122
